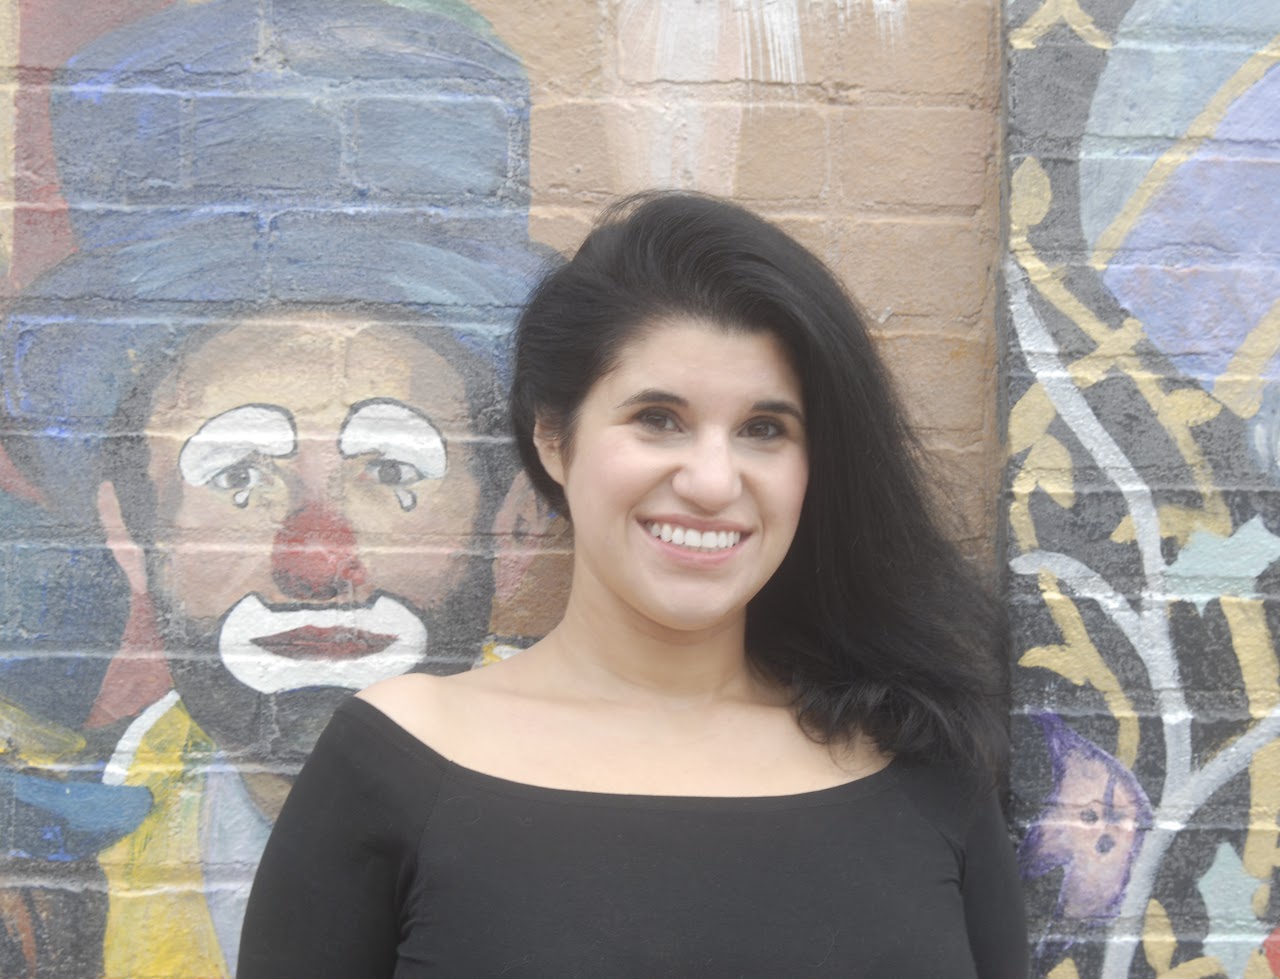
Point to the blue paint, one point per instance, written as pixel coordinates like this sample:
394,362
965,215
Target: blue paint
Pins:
1234,930
1162,71
1210,566
1197,306
61,820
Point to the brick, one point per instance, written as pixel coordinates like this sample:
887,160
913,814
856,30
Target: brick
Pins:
945,383
965,483
682,43
559,42
919,267
242,147
784,153
562,228
571,151
118,147
915,156
212,258
942,49
411,148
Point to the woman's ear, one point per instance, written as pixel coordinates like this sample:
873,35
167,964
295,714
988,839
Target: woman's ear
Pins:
548,445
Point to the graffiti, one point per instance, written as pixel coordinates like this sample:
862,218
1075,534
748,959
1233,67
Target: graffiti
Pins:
760,42
252,418
1143,288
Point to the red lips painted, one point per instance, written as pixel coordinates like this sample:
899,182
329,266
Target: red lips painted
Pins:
317,642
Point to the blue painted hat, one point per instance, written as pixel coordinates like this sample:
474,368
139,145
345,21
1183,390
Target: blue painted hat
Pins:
229,155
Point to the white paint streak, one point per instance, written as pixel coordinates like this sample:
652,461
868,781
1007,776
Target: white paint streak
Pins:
117,768
693,142
689,36
1153,644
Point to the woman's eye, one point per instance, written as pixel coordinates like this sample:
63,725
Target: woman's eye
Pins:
658,421
393,472
763,428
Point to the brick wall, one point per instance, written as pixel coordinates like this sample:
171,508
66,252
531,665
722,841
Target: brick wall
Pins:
1143,286
273,217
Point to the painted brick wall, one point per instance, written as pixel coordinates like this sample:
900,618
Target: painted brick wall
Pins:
260,259
1141,369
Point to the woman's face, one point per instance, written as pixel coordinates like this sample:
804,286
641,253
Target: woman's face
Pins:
686,477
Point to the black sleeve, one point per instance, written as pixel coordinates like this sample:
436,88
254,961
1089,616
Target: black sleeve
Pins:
995,915
326,898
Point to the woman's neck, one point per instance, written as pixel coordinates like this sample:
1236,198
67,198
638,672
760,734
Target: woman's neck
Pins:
634,661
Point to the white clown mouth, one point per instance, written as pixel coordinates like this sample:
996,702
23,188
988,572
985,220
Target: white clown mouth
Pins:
271,651
706,541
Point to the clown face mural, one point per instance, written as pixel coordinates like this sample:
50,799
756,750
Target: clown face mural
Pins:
256,395
311,491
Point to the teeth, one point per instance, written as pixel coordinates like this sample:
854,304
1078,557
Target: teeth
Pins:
706,540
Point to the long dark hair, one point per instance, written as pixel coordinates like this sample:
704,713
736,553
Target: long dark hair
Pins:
873,621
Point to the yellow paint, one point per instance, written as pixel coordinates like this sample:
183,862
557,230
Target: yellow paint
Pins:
1048,466
1020,520
1201,128
1262,841
1201,968
1066,969
1255,651
1179,414
1114,349
1158,939
33,740
1052,13
1257,967
1030,418
1178,411
1077,659
1241,385
1177,522
1192,406
157,921
1261,901
1030,194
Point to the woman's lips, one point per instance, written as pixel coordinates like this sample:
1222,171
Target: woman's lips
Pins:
320,642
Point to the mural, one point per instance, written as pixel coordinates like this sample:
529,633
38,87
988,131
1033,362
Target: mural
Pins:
254,457
1143,374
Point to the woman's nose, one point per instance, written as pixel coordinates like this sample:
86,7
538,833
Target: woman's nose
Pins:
314,555
708,476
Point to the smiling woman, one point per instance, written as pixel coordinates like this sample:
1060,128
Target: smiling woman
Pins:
765,737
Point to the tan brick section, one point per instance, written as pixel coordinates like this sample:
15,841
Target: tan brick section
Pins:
881,153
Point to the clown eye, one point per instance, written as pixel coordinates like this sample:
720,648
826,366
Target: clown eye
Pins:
393,472
239,479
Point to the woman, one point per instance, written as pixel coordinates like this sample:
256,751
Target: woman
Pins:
764,738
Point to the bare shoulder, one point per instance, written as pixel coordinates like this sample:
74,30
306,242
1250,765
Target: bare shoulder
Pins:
442,711
402,696
418,702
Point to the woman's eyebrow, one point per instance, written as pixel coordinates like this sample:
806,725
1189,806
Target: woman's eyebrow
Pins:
653,396
780,408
